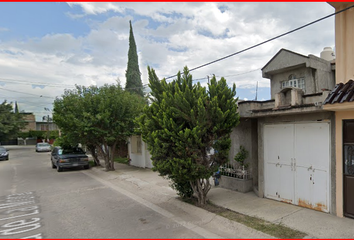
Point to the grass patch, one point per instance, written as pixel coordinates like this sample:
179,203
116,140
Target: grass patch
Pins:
92,163
121,160
273,229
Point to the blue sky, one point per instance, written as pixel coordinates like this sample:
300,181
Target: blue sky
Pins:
48,47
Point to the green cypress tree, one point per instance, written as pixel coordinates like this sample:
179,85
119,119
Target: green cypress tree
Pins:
184,122
133,76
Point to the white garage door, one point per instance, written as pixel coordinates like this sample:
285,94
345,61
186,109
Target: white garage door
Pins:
296,164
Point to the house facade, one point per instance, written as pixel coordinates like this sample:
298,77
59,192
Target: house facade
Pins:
290,137
341,102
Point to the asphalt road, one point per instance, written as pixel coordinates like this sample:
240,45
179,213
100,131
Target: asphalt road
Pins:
38,202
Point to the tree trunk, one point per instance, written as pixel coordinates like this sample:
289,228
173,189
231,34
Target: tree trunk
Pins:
105,153
201,188
92,150
112,151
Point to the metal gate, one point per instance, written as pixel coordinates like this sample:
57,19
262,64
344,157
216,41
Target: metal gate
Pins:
296,158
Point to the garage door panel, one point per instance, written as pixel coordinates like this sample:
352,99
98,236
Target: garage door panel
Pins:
312,145
271,189
286,183
279,143
320,191
303,187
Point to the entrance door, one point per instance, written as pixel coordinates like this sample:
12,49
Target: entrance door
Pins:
348,163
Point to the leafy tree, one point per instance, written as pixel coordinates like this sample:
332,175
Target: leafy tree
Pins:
98,117
184,122
10,123
133,76
69,114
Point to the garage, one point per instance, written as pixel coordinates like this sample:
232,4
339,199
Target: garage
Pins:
296,164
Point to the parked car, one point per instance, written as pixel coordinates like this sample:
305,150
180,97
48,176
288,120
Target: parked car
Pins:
68,158
43,147
4,153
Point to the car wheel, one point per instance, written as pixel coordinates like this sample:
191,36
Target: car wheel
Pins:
53,166
86,166
7,158
59,169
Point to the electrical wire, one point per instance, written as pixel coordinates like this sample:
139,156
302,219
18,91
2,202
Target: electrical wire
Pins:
25,93
269,40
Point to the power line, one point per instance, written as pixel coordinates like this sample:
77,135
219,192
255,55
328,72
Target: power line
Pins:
269,40
17,81
24,93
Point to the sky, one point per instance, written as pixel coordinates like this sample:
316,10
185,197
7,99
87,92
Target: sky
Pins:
46,48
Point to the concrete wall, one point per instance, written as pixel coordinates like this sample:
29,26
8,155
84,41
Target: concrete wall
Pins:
142,159
315,79
298,118
245,134
344,30
30,120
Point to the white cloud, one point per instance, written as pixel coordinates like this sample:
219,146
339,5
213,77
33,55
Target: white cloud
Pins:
169,36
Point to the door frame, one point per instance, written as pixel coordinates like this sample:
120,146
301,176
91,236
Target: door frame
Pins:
343,171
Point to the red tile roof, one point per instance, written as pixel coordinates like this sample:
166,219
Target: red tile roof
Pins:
341,93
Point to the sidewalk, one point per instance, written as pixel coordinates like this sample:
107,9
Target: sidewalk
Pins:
315,224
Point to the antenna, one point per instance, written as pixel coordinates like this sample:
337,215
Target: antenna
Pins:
256,91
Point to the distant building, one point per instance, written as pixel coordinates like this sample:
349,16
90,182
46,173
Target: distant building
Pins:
46,126
30,119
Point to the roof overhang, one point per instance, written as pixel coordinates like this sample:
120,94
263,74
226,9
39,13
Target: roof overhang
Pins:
336,107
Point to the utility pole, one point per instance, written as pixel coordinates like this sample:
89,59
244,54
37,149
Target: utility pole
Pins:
48,128
48,118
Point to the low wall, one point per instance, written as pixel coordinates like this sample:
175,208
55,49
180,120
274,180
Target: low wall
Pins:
236,184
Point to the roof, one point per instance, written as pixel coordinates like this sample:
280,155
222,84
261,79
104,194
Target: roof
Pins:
341,93
281,50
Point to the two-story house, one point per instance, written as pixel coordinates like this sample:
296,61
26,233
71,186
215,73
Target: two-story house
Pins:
289,138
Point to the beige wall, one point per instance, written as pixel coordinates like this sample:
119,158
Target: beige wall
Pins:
344,30
340,116
31,122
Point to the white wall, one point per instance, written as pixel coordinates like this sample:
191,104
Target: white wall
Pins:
142,159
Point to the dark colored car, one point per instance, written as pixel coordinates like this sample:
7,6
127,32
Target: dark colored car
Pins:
69,158
4,154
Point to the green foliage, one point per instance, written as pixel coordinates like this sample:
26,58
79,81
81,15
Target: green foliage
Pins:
182,187
39,134
184,122
121,160
241,156
133,75
10,122
97,116
63,142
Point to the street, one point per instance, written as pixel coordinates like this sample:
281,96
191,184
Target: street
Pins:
69,204
38,202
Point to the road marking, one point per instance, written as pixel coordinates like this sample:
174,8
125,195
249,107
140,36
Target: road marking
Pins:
198,230
10,204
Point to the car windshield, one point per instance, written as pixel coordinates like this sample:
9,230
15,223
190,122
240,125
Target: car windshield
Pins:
2,150
71,151
43,145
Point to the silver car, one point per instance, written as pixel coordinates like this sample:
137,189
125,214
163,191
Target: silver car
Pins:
43,147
